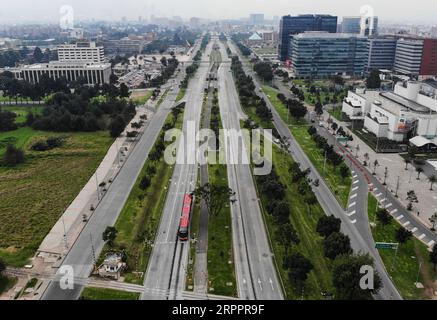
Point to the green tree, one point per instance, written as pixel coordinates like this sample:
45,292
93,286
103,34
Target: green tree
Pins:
2,266
373,80
145,183
13,156
347,276
215,197
419,171
402,235
328,225
344,171
383,216
109,235
298,267
287,236
116,127
124,91
336,244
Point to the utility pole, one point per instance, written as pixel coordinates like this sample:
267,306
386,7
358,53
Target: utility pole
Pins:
93,251
418,272
397,187
97,187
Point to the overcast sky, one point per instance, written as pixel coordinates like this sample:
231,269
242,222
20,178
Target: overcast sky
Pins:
48,10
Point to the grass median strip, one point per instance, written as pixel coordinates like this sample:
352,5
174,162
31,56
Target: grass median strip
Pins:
403,267
304,218
91,293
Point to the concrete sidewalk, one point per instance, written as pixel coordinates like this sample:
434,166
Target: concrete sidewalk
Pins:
397,177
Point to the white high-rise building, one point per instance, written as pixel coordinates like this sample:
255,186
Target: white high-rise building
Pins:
81,51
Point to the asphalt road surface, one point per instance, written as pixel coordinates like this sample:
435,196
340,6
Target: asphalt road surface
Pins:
255,270
168,263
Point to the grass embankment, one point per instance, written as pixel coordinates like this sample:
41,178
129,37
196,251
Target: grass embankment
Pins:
304,219
91,293
35,194
403,268
194,233
139,220
339,186
221,271
337,114
161,100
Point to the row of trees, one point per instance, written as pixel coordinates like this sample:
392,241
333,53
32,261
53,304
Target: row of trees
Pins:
246,91
264,70
346,274
245,51
295,107
331,155
167,72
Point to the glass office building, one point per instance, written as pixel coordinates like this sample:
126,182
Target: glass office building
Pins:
319,55
291,25
382,51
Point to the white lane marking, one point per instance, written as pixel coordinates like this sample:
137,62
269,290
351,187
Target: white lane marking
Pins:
406,223
353,172
371,185
354,221
352,213
355,189
259,283
400,217
389,205
352,204
271,283
384,200
394,211
354,196
355,176
422,236
379,194
414,229
431,243
356,181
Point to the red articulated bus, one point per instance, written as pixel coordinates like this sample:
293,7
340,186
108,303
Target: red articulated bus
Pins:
185,218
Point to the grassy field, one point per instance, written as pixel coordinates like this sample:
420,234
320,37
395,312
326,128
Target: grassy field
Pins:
221,271
36,193
340,187
19,137
404,268
22,111
91,293
304,220
140,98
139,219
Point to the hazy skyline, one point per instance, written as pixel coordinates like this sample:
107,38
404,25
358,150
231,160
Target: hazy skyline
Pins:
48,10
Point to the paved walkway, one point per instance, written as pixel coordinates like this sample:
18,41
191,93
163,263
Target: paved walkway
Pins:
71,223
398,177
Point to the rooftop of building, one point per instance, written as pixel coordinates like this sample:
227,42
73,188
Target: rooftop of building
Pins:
60,64
327,35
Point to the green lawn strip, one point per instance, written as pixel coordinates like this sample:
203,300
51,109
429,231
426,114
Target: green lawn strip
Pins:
23,111
143,99
340,187
6,283
337,114
221,271
161,100
194,233
91,293
404,268
35,194
181,94
139,220
305,222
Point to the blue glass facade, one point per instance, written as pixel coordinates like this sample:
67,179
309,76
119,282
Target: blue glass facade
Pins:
291,25
319,55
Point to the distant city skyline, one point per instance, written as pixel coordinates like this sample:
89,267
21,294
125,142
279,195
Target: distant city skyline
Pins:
21,11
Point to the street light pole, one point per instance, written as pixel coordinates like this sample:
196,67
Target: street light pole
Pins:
397,188
418,272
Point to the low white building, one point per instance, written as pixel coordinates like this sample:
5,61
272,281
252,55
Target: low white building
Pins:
92,72
408,112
